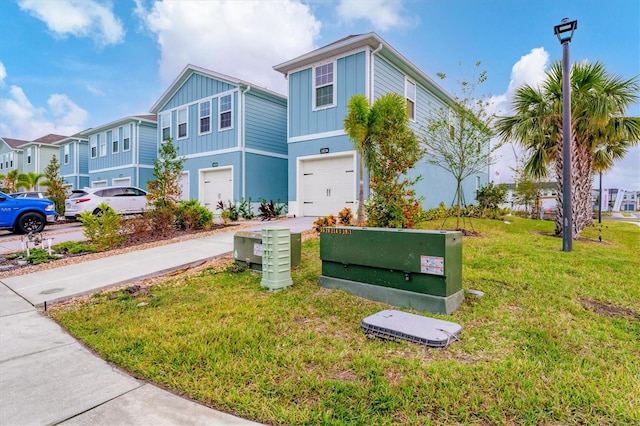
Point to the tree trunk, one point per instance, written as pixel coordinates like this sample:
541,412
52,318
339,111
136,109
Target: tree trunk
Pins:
559,198
360,215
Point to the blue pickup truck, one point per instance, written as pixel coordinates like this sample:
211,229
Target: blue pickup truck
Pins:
25,215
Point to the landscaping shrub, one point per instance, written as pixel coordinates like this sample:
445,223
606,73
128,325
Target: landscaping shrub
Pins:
74,247
137,225
345,216
229,212
245,209
192,215
270,210
104,229
162,220
323,222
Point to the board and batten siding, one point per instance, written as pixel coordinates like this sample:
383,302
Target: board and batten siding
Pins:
266,178
196,88
350,76
195,142
148,148
265,124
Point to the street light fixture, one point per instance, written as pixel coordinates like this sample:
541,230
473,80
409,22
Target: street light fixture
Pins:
564,31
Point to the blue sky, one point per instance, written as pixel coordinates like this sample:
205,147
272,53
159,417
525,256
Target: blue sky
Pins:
66,65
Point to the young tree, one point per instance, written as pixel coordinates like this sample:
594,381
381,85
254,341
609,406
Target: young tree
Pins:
490,197
599,128
458,137
393,150
164,191
356,124
55,185
29,181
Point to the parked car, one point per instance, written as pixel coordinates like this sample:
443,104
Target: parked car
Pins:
122,199
25,215
28,194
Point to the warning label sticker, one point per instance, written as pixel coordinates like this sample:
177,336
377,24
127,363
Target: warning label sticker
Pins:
432,265
257,249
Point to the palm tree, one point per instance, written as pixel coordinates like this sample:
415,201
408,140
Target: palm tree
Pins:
29,180
356,124
9,181
598,104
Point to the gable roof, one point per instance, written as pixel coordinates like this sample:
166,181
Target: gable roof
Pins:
189,70
373,42
146,118
14,143
76,137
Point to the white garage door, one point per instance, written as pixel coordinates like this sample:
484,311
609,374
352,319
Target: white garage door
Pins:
216,185
121,181
184,186
327,185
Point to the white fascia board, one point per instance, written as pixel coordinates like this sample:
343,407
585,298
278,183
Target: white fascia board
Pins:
315,136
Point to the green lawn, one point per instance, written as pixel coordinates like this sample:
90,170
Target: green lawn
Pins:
555,339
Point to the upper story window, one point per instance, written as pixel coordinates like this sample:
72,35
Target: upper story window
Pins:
66,154
28,155
410,95
11,159
324,87
115,141
205,117
102,143
126,138
93,143
182,123
165,120
224,106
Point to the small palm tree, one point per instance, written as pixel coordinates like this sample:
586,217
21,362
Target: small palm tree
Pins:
356,124
9,181
601,133
29,180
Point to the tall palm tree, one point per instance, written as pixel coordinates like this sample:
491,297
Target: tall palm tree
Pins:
599,125
29,180
9,181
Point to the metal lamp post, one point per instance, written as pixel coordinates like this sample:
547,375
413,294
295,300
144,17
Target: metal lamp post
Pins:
564,31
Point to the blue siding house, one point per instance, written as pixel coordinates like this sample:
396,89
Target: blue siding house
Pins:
10,155
121,153
73,156
232,134
322,168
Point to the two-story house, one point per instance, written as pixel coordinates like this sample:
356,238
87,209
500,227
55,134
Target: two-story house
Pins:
323,168
232,134
10,155
121,153
73,156
37,154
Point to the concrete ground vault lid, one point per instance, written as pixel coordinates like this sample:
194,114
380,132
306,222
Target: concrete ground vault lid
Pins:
394,325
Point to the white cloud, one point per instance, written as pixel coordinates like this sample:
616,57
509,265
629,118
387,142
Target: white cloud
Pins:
530,69
3,74
22,120
382,14
242,39
80,18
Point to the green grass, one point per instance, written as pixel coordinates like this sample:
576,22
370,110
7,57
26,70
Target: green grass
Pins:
553,341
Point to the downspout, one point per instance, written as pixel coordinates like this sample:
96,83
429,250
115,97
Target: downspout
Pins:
242,141
137,154
372,79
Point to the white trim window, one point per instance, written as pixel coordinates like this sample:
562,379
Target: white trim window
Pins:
115,141
324,92
66,154
165,120
11,159
183,121
410,95
225,106
204,109
93,143
102,143
28,155
126,137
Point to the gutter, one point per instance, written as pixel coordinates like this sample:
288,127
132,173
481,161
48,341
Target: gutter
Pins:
242,141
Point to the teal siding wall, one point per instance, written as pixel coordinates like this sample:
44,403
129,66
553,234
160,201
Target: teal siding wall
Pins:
266,178
265,124
67,169
121,158
350,76
197,87
83,157
148,145
109,175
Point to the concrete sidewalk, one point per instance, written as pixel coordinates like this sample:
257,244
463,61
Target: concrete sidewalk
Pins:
47,377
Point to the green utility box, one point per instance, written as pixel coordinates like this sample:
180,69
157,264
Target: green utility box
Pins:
403,267
248,248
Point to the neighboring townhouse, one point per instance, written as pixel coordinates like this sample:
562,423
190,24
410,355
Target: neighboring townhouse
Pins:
323,168
232,134
10,155
121,153
37,155
73,156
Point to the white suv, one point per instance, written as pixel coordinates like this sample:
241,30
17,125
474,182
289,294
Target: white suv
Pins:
122,199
